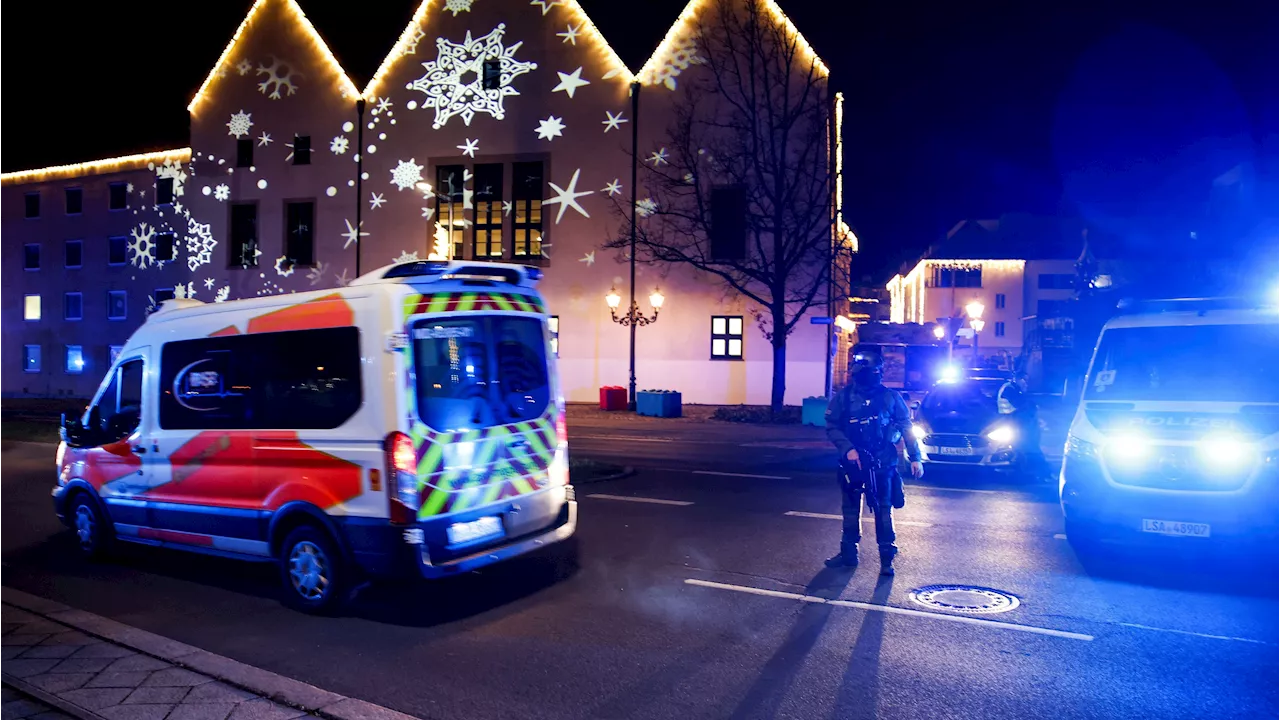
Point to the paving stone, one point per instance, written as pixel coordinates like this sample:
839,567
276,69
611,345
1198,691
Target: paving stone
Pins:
6,628
8,694
22,638
27,668
20,708
91,665
138,663
104,650
9,652
263,709
51,715
158,695
217,692
119,679
71,637
60,682
136,712
39,625
18,615
50,651
174,677
95,698
206,711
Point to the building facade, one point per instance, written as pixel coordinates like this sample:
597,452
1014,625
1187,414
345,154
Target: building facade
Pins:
497,130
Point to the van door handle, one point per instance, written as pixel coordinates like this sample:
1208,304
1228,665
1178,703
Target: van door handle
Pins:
139,450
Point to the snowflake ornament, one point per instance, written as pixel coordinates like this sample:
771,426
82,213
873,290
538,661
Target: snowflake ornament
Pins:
568,197
342,279
588,259
142,248
406,256
612,188
209,283
221,192
469,147
353,233
612,122
646,207
280,76
172,170
183,291
284,266
406,174
550,128
376,200
317,273
338,145
240,124
200,244
457,6
658,158
682,55
224,292
447,92
411,45
264,139
570,35
569,82
244,67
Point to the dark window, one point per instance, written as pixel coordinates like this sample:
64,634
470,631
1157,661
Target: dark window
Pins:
75,201
164,191
527,195
300,380
166,247
31,256
999,329
449,212
960,277
999,301
1056,281
553,330
488,213
481,372
72,306
73,256
75,359
117,304
119,408
492,75
299,238
163,294
118,196
31,358
244,234
729,223
1052,309
301,149
117,250
726,337
32,207
244,152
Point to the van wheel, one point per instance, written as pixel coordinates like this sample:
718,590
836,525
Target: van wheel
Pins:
311,571
92,535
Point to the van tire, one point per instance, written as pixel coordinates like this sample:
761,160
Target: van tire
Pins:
312,572
90,527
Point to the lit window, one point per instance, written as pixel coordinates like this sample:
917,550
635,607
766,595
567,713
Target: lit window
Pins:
75,201
31,358
450,209
488,213
726,337
526,184
118,196
117,304
32,205
31,307
31,256
113,353
75,359
72,306
117,250
553,327
73,254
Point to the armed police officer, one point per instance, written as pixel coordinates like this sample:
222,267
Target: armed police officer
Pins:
868,423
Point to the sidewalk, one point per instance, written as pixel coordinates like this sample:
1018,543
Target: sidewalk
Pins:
94,668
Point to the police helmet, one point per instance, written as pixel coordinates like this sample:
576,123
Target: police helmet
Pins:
869,358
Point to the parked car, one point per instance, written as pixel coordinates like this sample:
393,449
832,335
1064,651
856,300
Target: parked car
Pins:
958,423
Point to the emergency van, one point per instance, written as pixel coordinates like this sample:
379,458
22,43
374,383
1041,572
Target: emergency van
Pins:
409,423
1176,435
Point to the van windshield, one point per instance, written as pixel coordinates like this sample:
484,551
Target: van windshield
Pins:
482,371
1232,363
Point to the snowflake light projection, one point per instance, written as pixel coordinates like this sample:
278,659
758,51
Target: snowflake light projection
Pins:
406,256
457,6
406,175
221,192
568,197
240,124
411,47
646,207
353,233
142,248
244,67
338,145
284,266
451,95
223,293
172,170
612,188
280,76
200,244
316,274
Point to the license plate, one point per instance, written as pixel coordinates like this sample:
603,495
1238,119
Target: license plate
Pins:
465,532
954,451
1169,527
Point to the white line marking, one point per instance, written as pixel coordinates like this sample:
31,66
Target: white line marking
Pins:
1196,634
874,607
742,475
626,438
828,516
1059,536
628,498
963,490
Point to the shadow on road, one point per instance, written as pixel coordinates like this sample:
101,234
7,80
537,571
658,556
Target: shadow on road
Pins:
859,694
1249,571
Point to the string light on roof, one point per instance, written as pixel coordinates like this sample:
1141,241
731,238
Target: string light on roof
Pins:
95,167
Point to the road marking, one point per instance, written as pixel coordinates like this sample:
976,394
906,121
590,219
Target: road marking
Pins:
875,607
627,438
963,490
1059,536
628,498
741,475
829,516
1196,634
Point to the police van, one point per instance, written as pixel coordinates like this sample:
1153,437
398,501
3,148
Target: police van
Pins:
409,423
1175,435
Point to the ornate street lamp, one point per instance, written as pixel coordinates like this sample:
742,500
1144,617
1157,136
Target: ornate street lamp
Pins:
633,319
974,310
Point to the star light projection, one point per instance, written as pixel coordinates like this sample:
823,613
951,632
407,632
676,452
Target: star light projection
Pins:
455,82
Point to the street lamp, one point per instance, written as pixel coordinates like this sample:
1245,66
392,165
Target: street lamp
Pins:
974,311
939,332
633,319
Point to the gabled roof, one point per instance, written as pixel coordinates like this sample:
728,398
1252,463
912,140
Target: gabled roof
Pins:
97,167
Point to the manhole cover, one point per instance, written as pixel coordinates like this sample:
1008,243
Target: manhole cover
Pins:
964,598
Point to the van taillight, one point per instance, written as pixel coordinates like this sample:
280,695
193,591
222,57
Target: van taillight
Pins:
562,429
402,472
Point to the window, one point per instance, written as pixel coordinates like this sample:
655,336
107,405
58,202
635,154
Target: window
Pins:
488,213
553,329
166,247
299,236
117,250
118,196
244,152
303,380
164,191
244,234
73,254
492,78
162,294
72,306
31,358
75,359
999,329
113,353
449,212
31,307
117,304
119,408
726,337
728,223
960,277
31,256
32,205
999,301
301,149
75,200
527,194
1056,281
1052,309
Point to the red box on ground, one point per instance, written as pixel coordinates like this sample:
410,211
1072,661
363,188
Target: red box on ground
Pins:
613,397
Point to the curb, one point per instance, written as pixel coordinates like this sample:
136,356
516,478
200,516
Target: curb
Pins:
287,691
626,472
49,699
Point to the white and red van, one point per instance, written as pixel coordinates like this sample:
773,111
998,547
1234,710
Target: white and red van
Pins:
410,422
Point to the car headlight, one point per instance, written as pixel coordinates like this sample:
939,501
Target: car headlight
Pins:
919,431
1002,435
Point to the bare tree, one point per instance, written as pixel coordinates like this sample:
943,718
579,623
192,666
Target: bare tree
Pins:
755,118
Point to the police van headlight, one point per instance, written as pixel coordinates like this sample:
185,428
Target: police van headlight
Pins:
1225,452
1002,435
1128,448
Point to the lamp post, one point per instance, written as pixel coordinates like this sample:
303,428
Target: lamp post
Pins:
633,319
974,310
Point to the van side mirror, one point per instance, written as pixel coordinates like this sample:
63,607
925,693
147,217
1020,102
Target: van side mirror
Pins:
73,431
915,405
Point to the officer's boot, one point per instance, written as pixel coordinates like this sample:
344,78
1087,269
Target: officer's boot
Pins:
886,560
847,557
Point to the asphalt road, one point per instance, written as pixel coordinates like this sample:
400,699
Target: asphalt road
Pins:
696,607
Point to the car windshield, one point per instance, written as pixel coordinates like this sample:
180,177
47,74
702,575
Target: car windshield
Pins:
1233,363
965,398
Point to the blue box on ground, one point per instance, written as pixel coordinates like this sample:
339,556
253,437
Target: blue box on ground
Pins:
658,403
814,411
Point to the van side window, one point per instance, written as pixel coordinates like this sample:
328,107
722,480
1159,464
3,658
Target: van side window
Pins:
296,380
119,409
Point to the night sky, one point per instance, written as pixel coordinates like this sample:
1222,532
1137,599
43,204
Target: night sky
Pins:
1106,109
